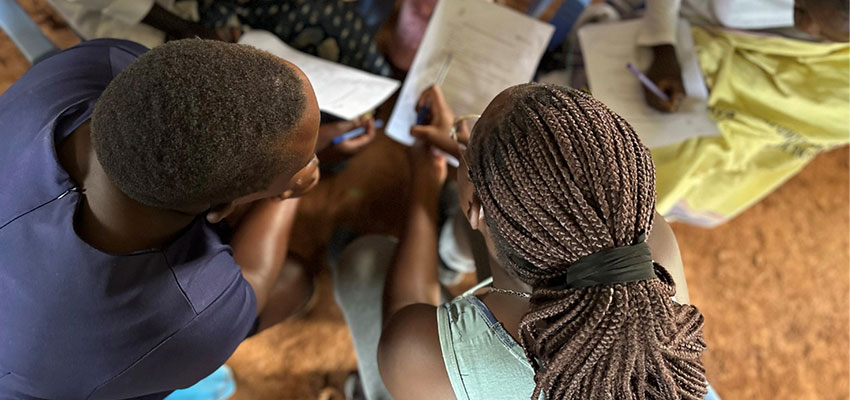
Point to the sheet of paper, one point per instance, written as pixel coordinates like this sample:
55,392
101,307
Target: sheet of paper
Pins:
607,48
490,47
341,90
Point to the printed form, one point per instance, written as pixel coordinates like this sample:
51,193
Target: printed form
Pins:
483,49
341,90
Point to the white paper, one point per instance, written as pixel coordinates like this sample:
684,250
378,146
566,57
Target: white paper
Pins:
607,48
491,48
340,90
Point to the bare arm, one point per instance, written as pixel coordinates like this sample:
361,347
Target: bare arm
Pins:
177,27
410,357
412,277
260,244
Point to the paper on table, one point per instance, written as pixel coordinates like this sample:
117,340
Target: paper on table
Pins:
340,90
607,48
491,48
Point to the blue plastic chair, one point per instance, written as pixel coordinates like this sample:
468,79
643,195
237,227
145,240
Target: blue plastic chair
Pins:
24,32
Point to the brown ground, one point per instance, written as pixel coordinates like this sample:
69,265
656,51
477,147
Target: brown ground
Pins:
773,283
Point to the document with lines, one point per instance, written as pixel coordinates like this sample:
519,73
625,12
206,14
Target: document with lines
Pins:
340,90
488,47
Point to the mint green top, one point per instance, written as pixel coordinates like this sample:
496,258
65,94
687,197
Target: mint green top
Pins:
483,361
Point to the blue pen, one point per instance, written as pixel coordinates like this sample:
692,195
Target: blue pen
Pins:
425,110
648,83
355,133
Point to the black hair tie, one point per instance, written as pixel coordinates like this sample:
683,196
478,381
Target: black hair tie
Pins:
610,266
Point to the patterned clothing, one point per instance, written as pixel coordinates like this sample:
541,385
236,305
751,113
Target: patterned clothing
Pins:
330,29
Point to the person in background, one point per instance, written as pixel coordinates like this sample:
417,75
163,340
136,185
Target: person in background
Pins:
147,206
147,22
330,29
579,305
817,19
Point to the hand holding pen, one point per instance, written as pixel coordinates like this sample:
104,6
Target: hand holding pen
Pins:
665,75
441,119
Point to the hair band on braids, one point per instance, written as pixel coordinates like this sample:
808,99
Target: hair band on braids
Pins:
609,266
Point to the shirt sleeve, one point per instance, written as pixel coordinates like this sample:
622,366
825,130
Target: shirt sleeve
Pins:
191,353
659,22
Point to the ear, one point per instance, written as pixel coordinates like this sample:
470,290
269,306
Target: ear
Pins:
220,212
475,215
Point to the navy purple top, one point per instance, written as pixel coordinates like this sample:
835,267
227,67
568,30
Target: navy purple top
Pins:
79,323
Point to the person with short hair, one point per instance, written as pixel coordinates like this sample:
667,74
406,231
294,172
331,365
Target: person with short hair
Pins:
146,206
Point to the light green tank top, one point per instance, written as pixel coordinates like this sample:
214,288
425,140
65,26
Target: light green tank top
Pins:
483,361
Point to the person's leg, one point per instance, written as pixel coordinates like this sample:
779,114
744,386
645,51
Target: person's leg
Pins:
358,280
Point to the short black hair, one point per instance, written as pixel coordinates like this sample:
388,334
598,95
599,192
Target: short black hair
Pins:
197,122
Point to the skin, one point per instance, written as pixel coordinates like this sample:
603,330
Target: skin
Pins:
409,354
817,18
820,19
178,28
114,223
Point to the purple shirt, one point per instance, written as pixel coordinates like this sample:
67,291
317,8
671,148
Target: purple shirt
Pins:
78,323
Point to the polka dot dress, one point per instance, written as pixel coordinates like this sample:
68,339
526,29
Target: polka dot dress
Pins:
330,29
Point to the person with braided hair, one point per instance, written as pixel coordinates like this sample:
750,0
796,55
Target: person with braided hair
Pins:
580,304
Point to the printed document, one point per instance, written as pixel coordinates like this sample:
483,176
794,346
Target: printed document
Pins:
341,90
479,48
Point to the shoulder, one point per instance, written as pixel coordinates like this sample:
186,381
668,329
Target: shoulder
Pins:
410,357
68,78
203,266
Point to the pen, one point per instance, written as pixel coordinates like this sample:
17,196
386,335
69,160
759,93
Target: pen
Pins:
355,133
441,76
648,83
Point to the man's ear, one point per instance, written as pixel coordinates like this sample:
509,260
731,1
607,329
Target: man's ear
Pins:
220,212
475,215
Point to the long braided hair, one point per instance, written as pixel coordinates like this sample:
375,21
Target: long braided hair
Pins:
560,177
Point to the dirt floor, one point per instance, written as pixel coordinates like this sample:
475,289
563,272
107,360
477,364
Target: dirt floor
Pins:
773,283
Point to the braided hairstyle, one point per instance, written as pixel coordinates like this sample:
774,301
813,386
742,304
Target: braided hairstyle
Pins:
561,177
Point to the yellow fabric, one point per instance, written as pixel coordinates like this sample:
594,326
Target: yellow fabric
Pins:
778,102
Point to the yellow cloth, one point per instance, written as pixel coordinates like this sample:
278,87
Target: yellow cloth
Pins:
778,102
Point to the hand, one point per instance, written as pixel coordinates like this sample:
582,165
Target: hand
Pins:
441,118
667,75
330,153
428,171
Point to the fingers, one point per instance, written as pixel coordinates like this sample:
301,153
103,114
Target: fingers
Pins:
358,143
435,137
674,91
433,97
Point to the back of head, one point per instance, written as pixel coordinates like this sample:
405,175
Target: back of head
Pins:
194,123
562,177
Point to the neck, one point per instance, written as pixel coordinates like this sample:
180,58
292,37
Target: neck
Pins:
108,219
502,280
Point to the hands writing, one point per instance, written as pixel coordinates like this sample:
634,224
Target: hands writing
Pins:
439,122
330,131
666,73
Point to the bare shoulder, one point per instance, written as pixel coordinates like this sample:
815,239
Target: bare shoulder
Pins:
410,357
